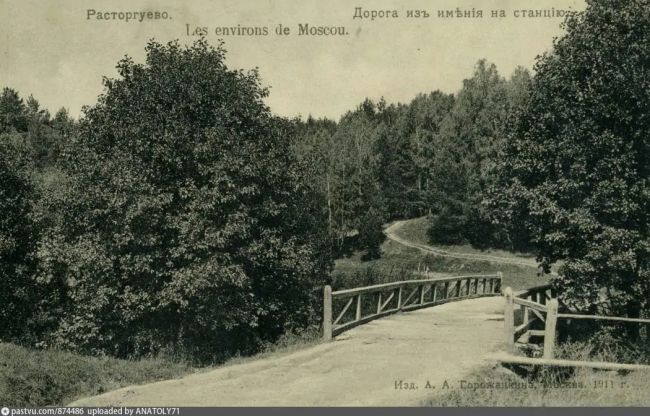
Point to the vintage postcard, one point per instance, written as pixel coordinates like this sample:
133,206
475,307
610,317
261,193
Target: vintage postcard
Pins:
283,203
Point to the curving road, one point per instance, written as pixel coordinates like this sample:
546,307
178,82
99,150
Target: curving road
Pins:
423,350
391,233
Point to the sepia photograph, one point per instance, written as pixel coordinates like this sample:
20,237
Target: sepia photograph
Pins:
423,204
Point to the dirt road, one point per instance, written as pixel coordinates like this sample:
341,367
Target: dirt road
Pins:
361,367
391,233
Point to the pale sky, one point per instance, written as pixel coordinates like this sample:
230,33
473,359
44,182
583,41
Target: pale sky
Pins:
51,50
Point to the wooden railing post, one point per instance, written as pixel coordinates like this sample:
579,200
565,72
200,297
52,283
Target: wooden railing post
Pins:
526,312
549,330
508,321
399,298
378,302
357,315
422,294
499,281
327,313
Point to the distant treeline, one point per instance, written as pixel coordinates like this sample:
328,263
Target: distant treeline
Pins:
433,156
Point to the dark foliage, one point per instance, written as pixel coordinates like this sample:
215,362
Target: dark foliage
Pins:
577,166
185,223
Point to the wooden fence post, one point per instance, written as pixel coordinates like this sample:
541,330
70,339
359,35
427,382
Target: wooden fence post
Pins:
357,315
526,311
379,302
508,321
549,330
327,313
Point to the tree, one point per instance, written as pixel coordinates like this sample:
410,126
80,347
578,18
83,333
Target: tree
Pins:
371,234
44,141
12,112
465,149
405,147
183,224
17,246
315,149
469,138
577,166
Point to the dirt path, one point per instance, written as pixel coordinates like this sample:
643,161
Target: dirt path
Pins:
359,368
391,230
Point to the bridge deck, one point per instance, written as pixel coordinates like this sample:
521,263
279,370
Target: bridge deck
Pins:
359,368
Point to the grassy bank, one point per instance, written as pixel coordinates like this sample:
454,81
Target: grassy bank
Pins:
415,230
537,386
38,378
30,377
399,262
501,387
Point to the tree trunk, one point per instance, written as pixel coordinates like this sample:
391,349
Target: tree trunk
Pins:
329,205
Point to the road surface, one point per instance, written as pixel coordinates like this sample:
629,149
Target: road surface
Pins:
400,360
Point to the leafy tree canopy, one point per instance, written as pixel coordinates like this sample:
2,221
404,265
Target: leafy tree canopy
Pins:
577,168
184,224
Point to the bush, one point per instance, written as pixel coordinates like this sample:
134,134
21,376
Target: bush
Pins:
371,235
447,229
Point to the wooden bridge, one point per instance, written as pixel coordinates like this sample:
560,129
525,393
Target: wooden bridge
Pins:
538,307
372,302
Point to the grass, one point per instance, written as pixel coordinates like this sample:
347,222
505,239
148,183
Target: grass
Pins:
399,262
534,386
584,388
416,230
30,377
287,344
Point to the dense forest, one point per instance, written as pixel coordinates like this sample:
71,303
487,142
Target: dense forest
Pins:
433,156
179,215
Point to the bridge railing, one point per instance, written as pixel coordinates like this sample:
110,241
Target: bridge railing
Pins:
345,309
536,305
540,309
